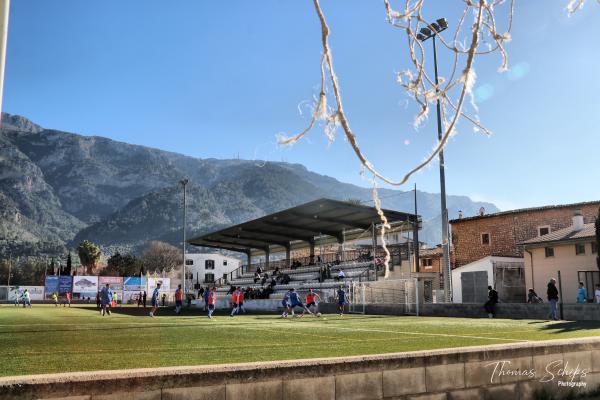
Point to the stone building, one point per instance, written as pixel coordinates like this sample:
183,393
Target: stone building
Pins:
501,234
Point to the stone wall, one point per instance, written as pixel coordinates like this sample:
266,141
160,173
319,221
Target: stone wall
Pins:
513,371
506,230
571,312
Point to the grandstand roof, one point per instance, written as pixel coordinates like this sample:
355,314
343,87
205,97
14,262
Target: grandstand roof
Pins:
322,220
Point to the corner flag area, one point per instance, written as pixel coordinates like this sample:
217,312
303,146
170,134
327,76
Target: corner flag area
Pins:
49,339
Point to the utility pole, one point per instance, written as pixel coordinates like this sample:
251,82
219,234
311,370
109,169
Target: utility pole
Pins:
416,235
184,183
425,33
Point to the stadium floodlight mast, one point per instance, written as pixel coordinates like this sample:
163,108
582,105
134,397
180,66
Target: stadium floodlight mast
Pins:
184,183
425,33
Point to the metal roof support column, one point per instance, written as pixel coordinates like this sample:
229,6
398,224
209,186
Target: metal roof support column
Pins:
249,255
312,250
267,257
288,256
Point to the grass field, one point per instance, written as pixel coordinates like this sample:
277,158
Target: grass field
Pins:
46,339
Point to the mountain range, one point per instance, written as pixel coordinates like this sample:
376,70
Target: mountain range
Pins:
59,188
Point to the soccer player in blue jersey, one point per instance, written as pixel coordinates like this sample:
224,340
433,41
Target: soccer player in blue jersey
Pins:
155,299
341,300
286,304
296,302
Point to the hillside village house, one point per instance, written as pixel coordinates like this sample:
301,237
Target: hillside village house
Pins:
572,251
495,243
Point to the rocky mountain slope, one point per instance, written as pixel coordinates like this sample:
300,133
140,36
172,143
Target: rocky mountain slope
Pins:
58,188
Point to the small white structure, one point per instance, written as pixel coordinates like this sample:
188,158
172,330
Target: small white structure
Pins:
205,268
505,274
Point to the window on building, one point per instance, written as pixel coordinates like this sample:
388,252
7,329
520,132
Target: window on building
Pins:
209,278
427,262
225,277
543,230
594,248
209,264
189,262
485,238
549,251
579,248
224,262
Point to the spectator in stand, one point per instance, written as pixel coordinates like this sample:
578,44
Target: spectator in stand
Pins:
256,277
597,294
264,279
273,282
341,275
581,294
285,279
552,293
276,272
328,271
259,270
532,297
490,305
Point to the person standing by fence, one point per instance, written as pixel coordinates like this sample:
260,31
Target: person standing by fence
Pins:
552,298
581,294
490,305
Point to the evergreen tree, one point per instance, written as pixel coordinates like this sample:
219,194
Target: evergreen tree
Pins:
69,265
52,266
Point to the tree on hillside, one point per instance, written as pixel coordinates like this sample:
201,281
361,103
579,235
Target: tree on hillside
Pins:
89,255
597,226
160,256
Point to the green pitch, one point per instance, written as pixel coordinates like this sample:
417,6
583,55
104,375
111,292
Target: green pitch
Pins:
46,339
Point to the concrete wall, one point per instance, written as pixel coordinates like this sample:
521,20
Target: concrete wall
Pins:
514,371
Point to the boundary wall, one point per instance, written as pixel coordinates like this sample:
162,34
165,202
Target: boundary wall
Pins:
516,371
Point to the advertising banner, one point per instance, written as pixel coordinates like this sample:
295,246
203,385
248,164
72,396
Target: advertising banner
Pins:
51,284
131,297
65,284
35,292
134,283
115,282
164,287
85,285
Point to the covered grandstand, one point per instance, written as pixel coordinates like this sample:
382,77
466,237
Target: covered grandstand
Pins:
272,240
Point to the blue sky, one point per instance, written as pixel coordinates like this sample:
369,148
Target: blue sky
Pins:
221,79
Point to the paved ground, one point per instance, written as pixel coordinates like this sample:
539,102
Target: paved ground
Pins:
46,339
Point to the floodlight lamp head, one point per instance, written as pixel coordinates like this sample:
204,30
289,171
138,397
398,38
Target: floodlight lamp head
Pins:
443,23
426,31
435,27
421,37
